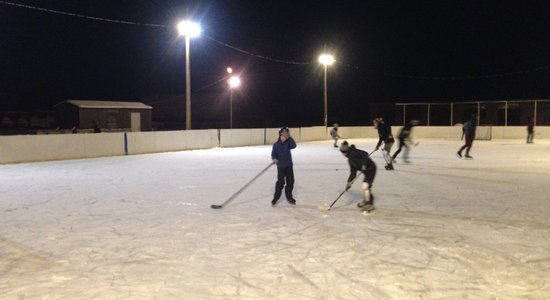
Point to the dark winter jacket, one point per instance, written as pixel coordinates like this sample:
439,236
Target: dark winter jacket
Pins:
531,126
405,131
357,159
469,128
384,134
281,152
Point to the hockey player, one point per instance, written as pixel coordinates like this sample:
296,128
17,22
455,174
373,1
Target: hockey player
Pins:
280,154
530,130
334,134
404,139
385,136
468,133
359,160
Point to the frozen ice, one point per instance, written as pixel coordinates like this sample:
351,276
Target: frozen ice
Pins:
141,226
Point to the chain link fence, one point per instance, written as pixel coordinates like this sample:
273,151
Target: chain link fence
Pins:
494,113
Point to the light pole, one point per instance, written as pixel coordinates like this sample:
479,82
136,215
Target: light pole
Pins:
234,82
189,30
326,60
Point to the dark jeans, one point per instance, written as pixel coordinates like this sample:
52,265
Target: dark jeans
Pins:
284,174
530,135
467,145
402,144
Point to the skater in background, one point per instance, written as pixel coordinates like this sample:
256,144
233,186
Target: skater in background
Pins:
280,154
334,134
385,136
359,160
405,140
530,130
468,134
96,127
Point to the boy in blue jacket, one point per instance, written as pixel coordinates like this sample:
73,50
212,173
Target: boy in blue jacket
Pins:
280,154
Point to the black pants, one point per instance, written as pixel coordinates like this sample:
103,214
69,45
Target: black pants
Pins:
284,174
467,144
401,145
530,135
369,176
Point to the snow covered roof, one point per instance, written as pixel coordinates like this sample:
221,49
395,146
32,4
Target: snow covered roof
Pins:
107,104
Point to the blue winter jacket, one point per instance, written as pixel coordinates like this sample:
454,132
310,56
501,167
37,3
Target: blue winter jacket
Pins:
281,152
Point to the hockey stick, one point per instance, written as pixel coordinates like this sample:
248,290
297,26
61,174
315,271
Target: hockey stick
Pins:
218,206
325,208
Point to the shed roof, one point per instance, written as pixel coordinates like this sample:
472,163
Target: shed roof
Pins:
107,104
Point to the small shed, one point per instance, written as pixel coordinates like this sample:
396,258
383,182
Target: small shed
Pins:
111,115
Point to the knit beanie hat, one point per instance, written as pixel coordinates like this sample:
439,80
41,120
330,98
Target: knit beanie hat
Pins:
283,130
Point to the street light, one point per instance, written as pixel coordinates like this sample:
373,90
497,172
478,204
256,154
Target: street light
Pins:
234,82
189,30
326,60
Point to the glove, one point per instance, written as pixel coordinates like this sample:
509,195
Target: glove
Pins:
348,185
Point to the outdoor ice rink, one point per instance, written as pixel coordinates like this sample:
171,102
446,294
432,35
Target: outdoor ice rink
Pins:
141,227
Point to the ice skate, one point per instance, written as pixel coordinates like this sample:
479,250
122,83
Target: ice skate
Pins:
368,208
364,204
459,155
292,201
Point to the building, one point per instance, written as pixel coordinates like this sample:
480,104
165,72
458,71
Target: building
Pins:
109,115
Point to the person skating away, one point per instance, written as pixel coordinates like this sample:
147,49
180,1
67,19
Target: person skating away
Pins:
334,134
530,130
468,134
280,154
359,160
404,139
385,136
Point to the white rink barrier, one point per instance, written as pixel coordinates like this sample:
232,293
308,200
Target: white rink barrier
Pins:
27,148
241,137
31,148
164,141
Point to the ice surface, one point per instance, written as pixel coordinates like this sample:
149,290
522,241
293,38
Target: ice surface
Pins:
141,227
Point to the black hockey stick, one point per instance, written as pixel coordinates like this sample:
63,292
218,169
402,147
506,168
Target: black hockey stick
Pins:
218,206
325,208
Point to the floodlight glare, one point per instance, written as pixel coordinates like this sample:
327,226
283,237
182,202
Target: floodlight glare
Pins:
326,59
189,29
234,82
229,70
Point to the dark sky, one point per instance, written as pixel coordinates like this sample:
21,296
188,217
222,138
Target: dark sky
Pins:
386,51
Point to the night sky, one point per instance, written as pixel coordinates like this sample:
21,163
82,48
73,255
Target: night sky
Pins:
386,51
